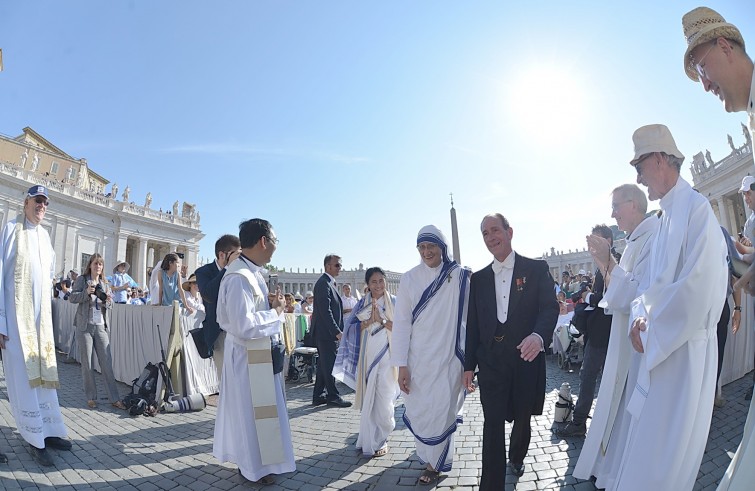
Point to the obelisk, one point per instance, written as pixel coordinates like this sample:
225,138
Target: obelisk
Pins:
455,233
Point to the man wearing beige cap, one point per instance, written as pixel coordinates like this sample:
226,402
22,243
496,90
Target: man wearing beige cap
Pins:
716,57
673,327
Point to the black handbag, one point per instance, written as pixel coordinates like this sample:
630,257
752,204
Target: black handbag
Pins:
579,319
200,342
277,351
309,340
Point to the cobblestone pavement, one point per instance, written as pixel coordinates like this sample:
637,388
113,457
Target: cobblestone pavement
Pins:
112,450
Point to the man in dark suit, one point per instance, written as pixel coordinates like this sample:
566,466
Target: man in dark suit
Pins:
597,332
327,323
512,310
227,249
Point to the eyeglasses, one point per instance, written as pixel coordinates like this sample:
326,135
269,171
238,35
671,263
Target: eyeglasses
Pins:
41,200
699,66
637,165
615,206
274,240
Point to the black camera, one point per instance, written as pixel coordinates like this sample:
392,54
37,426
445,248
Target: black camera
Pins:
100,293
583,287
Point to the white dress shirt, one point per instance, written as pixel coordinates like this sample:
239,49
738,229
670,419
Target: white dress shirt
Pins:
502,272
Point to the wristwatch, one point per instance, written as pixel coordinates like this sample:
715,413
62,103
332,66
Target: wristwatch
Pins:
737,307
384,322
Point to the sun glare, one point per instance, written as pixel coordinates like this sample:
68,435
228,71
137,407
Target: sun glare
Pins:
547,104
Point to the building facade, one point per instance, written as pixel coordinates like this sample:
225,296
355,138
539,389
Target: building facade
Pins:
82,219
297,282
719,181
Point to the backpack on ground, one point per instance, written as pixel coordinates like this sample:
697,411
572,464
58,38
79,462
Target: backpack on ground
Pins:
141,400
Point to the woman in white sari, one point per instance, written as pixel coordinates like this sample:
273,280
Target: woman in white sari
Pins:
363,362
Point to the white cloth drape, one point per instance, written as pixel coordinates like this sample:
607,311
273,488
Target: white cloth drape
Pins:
134,342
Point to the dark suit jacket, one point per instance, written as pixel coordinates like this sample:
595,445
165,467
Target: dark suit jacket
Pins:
532,308
598,327
208,281
327,315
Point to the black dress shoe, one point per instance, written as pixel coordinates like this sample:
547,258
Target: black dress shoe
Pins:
572,429
41,456
517,469
339,403
319,401
58,443
3,458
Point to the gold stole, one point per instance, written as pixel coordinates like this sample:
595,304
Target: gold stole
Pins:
38,349
262,381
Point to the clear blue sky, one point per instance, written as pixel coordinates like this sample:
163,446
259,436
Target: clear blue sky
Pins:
347,124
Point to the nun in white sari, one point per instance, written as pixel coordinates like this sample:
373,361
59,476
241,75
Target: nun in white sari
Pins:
428,347
363,363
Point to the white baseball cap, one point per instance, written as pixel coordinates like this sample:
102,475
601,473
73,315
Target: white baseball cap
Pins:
747,183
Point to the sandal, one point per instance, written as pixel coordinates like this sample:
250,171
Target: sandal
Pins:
429,476
268,479
265,480
381,451
119,405
92,404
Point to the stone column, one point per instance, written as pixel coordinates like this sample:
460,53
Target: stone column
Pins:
723,212
140,268
121,241
192,257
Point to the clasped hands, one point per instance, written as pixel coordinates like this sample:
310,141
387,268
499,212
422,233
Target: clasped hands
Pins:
600,250
375,318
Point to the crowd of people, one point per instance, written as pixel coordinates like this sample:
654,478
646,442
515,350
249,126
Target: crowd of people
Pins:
651,319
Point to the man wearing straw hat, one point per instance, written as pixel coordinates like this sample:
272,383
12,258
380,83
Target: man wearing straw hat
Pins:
716,57
673,327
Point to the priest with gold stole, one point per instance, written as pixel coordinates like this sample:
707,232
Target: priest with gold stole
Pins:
27,267
252,428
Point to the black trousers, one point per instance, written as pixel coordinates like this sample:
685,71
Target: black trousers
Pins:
324,381
722,332
496,392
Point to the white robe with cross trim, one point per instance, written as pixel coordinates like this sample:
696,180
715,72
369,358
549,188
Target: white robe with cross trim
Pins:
35,410
243,315
672,401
